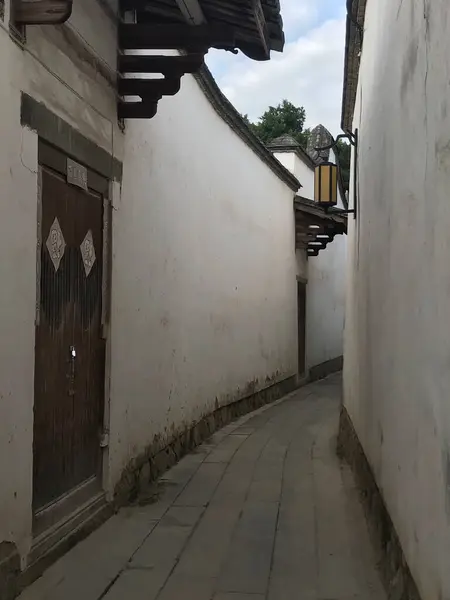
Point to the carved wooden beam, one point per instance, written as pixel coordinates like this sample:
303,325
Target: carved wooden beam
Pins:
146,36
137,110
149,89
261,26
195,39
167,65
41,12
191,11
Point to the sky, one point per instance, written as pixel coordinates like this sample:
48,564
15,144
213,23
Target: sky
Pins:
308,73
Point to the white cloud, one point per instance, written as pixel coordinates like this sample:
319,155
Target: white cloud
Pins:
308,73
298,13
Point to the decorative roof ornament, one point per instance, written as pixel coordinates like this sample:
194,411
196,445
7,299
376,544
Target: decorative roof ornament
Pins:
319,137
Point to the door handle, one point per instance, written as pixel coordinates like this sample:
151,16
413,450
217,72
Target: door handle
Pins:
73,356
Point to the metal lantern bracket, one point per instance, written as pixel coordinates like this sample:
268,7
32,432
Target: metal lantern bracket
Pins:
353,139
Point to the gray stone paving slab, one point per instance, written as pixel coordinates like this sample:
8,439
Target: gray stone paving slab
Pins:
263,511
208,546
138,584
239,596
167,540
247,567
291,588
202,486
188,588
223,453
94,563
263,490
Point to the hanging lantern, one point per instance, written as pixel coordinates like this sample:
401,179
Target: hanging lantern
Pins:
325,184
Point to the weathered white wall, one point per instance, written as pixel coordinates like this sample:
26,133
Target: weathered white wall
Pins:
326,275
287,159
17,305
326,297
204,275
397,339
325,303
22,70
300,169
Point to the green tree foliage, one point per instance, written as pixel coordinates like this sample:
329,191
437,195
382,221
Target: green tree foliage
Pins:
288,119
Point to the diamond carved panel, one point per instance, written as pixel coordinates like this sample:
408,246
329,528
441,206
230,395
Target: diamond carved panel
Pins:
56,244
88,252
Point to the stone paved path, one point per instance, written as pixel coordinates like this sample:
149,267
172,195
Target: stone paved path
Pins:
263,511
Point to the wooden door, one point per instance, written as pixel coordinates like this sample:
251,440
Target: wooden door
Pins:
301,309
70,351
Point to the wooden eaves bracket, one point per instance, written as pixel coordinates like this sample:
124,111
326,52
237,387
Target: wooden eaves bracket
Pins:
42,12
140,95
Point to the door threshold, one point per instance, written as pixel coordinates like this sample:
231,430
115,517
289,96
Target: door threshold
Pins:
55,541
56,512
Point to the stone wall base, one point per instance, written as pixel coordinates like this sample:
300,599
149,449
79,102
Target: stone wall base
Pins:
9,570
155,460
394,569
326,368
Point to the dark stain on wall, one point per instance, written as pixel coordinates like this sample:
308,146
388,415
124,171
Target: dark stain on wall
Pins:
394,569
446,471
164,451
326,368
409,67
9,570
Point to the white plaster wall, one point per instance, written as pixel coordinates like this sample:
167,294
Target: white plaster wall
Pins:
204,290
325,300
325,303
18,167
204,275
326,275
305,174
49,71
397,339
301,170
287,159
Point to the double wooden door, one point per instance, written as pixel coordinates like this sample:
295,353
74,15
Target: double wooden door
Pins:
70,351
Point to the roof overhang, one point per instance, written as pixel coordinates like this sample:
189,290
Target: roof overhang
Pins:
314,228
42,12
191,27
356,11
256,25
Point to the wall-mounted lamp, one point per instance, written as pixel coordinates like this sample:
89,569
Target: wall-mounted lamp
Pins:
325,185
326,179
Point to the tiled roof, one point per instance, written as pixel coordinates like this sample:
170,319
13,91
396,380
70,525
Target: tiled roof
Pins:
287,143
238,14
353,49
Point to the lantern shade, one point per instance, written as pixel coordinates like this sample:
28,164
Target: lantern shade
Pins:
325,184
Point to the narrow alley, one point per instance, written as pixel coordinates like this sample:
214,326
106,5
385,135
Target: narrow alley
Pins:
264,509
